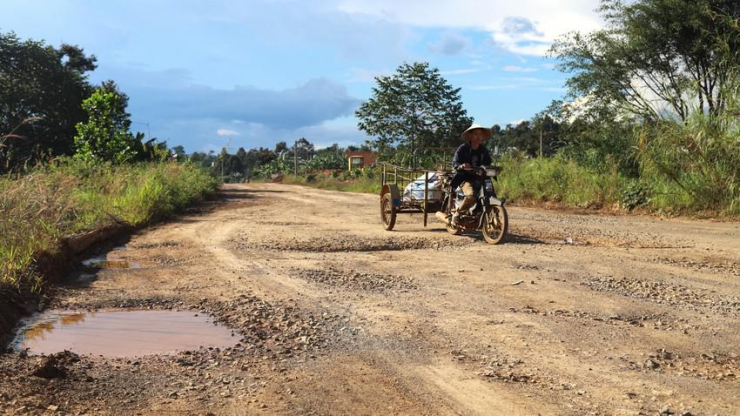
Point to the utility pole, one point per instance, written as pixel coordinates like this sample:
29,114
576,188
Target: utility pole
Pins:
295,157
540,141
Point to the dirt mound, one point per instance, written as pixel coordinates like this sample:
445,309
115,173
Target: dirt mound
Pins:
55,366
371,282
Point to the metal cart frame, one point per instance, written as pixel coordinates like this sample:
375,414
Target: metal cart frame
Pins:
391,202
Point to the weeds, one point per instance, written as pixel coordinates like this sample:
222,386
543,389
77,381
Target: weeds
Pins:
39,208
693,166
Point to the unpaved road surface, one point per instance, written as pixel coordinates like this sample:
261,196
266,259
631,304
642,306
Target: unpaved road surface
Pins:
573,315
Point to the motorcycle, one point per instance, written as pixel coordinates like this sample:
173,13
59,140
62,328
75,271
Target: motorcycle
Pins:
487,215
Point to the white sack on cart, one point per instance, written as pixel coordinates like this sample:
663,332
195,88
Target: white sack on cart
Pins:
414,191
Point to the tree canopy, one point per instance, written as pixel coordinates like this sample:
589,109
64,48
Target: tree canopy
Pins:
105,136
656,59
41,92
413,108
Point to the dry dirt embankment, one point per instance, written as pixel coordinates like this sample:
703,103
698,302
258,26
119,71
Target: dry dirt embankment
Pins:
575,314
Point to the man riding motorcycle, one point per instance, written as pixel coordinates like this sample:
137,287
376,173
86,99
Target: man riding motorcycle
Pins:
470,155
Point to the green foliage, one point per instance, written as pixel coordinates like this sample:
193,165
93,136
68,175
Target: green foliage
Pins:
413,108
72,196
635,194
525,137
44,84
654,57
559,180
105,136
326,161
696,164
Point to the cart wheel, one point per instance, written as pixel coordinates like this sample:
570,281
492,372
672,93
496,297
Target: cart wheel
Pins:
387,212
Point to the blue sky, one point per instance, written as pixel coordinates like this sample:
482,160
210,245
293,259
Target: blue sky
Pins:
207,74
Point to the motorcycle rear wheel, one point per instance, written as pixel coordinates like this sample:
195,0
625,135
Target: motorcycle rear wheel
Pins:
496,225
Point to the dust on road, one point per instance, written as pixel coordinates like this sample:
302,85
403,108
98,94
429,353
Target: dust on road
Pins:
573,315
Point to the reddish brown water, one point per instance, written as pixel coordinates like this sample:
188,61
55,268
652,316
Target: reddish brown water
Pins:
110,260
121,333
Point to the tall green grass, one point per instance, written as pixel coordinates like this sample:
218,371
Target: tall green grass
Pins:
693,166
559,180
68,197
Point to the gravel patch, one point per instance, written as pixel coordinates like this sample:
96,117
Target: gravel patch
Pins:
665,293
346,243
371,282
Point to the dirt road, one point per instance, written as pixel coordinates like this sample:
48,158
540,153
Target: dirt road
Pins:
573,315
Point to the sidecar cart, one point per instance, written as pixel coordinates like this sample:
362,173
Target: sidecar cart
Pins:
409,191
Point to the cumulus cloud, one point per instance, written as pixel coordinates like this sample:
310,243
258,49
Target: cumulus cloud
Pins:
525,27
227,132
451,43
520,35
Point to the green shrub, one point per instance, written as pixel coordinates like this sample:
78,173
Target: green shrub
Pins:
72,196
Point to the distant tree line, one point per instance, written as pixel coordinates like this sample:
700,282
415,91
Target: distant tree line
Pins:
264,162
48,108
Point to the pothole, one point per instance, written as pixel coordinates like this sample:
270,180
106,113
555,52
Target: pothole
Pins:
121,333
119,264
105,261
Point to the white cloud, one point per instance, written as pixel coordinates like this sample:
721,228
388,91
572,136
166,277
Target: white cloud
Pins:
525,27
227,132
515,68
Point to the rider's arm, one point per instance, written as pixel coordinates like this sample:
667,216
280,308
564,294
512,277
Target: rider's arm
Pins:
462,156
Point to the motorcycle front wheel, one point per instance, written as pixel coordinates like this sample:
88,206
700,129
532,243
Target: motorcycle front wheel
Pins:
496,224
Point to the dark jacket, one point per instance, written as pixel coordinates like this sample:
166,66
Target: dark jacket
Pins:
465,154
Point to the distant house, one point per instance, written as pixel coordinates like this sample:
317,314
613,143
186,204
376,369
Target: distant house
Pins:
360,159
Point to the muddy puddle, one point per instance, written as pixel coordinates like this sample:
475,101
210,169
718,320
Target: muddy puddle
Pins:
108,261
121,333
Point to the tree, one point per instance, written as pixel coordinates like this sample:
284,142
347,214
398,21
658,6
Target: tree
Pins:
281,147
106,136
413,108
304,149
657,59
45,84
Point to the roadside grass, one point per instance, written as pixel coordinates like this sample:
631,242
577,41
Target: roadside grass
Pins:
559,180
367,182
39,208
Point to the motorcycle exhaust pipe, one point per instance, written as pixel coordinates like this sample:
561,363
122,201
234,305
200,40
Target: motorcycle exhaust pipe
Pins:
442,217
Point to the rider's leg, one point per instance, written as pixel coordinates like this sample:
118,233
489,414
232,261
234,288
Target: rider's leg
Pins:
468,202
